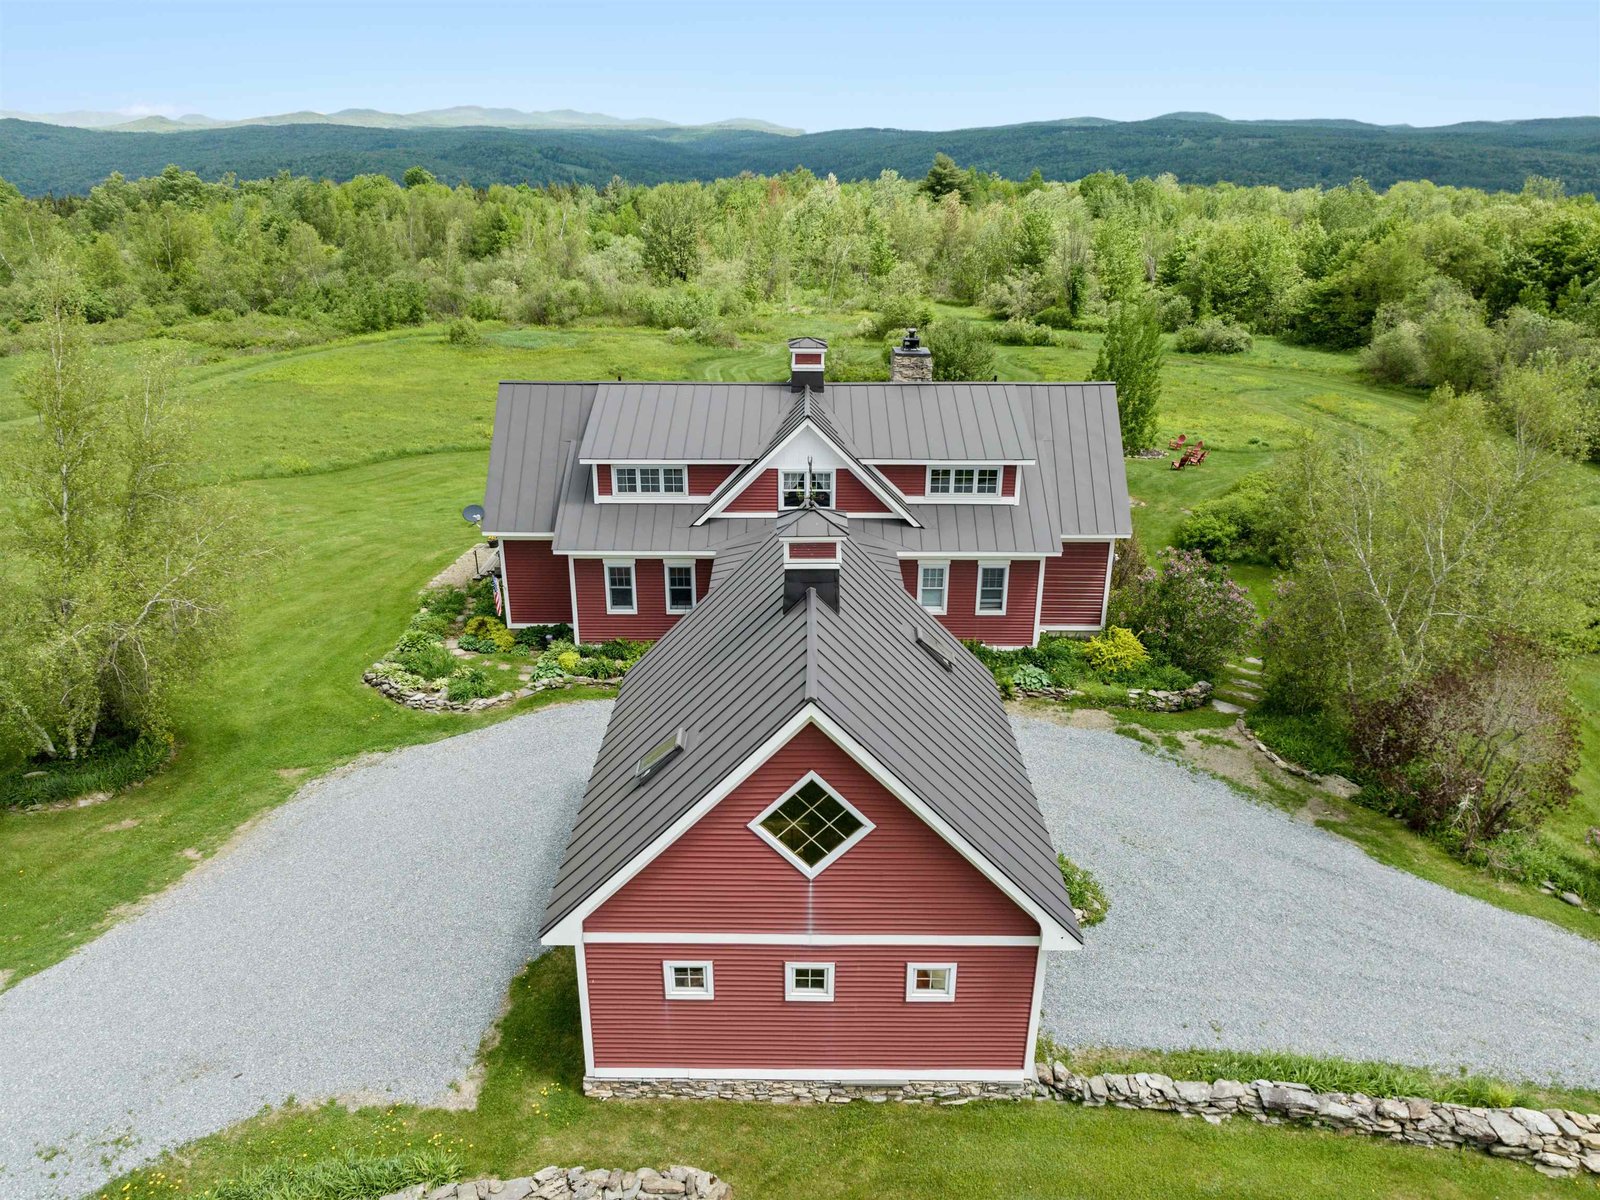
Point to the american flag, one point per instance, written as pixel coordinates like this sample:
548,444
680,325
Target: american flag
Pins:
498,609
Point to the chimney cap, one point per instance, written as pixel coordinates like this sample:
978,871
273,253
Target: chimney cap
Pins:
911,341
807,343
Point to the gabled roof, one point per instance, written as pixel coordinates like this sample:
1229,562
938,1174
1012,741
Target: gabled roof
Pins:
812,522
866,670
807,343
535,425
808,410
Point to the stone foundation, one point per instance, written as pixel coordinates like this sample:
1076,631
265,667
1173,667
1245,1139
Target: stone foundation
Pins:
796,1091
577,1183
1150,699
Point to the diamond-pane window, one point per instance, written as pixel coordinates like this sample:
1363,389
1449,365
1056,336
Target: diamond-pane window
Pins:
811,826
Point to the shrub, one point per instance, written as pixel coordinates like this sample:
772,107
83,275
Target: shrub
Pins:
111,764
1116,652
539,637
622,648
418,639
1250,522
1088,897
446,601
1474,751
1030,676
423,655
469,683
429,622
480,597
961,351
545,668
487,635
1213,337
463,331
1173,310
568,661
1186,612
1055,317
1016,332
895,314
349,1177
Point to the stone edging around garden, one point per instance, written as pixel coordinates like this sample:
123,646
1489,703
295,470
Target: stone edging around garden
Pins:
428,701
576,1183
1151,699
1555,1142
1337,784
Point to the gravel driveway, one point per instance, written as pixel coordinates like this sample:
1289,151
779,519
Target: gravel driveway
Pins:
1233,924
360,940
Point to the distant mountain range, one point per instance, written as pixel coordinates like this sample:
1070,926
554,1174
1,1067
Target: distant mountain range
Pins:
462,116
1196,147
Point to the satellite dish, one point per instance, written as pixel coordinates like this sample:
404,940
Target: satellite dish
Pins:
472,513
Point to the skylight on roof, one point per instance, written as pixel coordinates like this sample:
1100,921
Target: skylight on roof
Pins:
657,756
938,655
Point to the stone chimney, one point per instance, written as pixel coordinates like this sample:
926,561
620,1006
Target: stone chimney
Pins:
806,359
910,361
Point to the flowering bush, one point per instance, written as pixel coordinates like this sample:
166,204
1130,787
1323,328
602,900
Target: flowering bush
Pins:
1116,652
1186,611
568,661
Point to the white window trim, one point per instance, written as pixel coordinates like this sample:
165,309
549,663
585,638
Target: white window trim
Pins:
930,997
811,476
794,860
944,565
1005,592
929,496
673,992
656,497
807,995
605,578
666,580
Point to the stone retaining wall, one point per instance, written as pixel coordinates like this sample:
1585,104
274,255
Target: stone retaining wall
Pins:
577,1183
1152,699
784,1091
1555,1142
426,701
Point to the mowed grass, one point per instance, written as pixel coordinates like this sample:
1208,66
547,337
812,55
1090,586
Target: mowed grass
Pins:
530,1112
359,455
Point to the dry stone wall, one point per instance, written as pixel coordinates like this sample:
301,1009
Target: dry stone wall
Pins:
786,1091
1150,699
579,1183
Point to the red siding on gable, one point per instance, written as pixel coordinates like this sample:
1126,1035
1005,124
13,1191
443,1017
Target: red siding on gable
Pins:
651,621
1075,586
602,478
852,496
912,480
537,592
869,1024
720,877
760,495
1013,628
1008,482
705,478
827,550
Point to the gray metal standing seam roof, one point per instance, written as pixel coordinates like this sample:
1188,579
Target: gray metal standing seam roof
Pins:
944,733
1076,489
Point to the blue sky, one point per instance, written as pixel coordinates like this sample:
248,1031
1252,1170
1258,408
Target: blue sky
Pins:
816,65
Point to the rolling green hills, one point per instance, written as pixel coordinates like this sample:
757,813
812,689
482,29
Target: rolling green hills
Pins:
1196,147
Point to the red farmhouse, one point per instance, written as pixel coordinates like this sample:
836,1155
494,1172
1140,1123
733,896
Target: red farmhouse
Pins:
1003,502
809,852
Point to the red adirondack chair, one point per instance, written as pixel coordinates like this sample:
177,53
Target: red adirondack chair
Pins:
1177,443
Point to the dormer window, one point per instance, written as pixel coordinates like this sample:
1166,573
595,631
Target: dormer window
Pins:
963,481
795,488
662,480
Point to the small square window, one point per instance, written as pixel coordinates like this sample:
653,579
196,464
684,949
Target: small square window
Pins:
626,480
989,481
687,980
649,479
808,981
672,480
930,981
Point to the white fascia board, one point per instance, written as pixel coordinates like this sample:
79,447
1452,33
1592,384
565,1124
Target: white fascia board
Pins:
655,937
656,462
986,556
950,462
520,537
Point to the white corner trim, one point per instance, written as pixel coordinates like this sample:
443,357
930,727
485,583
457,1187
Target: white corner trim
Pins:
672,992
1038,601
1035,1013
583,1009
1105,599
572,588
933,996
807,995
794,860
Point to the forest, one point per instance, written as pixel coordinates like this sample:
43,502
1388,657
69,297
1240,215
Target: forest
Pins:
1195,147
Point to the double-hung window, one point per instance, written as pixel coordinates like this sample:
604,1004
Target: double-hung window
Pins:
930,982
963,481
933,583
680,587
649,481
687,980
992,588
620,594
795,487
808,981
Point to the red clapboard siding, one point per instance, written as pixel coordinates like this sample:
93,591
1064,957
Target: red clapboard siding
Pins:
602,476
705,478
719,877
758,496
537,592
912,480
852,495
1008,482
1013,628
813,550
1075,586
868,1025
650,587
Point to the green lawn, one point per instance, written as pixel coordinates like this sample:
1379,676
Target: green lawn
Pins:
530,1112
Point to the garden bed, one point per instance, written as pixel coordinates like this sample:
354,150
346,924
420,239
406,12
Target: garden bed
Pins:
456,655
